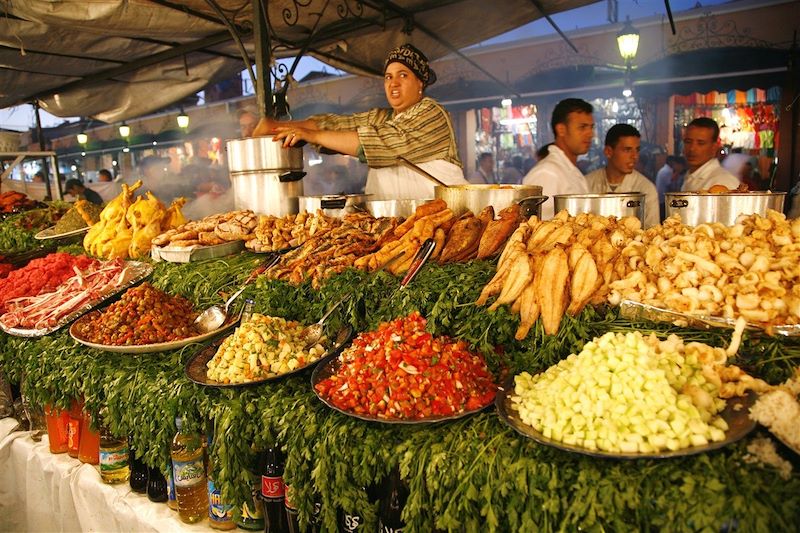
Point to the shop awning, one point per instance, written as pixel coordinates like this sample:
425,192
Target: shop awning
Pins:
118,59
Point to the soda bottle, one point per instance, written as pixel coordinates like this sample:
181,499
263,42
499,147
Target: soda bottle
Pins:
138,477
220,514
188,463
74,426
89,448
247,310
273,491
56,420
290,508
316,517
156,486
350,521
172,500
114,466
251,516
390,509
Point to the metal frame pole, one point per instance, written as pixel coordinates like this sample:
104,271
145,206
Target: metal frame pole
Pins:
263,87
40,136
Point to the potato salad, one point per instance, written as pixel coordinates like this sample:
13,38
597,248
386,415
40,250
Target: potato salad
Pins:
262,347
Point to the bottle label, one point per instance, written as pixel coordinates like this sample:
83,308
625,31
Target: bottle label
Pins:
188,473
218,511
111,460
272,487
251,513
73,433
387,529
352,522
291,507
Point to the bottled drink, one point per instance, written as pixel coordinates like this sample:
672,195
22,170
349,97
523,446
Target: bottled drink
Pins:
391,506
89,448
350,521
290,507
138,479
252,517
220,514
114,466
74,427
247,310
156,486
172,500
188,463
316,518
272,491
56,420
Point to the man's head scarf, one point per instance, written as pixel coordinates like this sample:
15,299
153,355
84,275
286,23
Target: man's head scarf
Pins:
415,60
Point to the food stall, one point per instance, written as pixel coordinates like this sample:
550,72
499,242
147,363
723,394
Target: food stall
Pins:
472,469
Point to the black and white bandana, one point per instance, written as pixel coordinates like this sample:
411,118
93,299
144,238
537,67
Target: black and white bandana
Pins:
415,60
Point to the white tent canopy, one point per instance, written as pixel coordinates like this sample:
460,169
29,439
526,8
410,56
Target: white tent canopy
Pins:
118,59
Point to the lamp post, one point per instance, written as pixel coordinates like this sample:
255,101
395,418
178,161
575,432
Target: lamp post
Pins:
628,44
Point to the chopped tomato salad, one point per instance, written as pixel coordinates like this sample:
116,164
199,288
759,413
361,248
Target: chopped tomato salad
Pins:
400,371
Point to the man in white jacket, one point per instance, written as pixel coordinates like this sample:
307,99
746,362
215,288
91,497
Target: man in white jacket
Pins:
700,148
573,127
623,143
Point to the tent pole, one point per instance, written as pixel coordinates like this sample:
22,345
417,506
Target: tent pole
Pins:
40,136
263,88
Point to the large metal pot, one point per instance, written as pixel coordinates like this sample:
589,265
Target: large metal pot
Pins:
394,208
460,198
333,205
618,204
262,154
700,208
267,193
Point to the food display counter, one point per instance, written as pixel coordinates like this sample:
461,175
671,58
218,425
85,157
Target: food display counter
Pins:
473,473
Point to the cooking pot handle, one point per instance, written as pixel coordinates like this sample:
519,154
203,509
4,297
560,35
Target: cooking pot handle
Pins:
679,203
333,202
292,175
532,201
633,203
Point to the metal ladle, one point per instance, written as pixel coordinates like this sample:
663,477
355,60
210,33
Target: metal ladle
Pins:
216,315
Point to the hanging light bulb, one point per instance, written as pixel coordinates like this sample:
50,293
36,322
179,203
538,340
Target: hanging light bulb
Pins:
83,138
628,41
183,119
124,130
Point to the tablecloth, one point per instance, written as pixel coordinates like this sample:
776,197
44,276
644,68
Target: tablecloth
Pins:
40,491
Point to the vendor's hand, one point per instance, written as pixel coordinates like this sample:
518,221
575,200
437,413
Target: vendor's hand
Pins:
292,136
266,126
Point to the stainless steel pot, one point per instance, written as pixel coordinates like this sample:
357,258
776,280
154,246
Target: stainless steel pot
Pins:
333,205
476,197
262,154
618,204
267,193
700,208
393,208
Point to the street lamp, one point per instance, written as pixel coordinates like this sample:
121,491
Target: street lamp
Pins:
83,138
183,119
124,130
628,41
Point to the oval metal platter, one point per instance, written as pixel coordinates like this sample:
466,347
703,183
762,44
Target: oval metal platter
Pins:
736,414
85,321
329,367
196,369
47,234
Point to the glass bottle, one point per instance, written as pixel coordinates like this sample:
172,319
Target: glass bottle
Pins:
156,485
220,514
247,310
138,478
89,448
273,491
390,509
74,427
56,428
290,508
189,469
251,516
114,467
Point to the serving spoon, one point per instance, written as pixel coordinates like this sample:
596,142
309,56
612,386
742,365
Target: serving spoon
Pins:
216,315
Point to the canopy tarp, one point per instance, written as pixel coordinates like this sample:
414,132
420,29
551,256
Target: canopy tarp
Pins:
118,59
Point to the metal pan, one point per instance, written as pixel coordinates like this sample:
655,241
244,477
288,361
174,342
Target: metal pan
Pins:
701,208
394,208
461,198
618,204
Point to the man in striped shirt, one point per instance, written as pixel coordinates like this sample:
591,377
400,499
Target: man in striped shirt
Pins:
416,128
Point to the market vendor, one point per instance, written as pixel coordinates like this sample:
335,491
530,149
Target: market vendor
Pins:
700,147
416,128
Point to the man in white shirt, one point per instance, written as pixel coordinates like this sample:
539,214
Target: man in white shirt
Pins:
623,143
573,127
485,173
700,148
